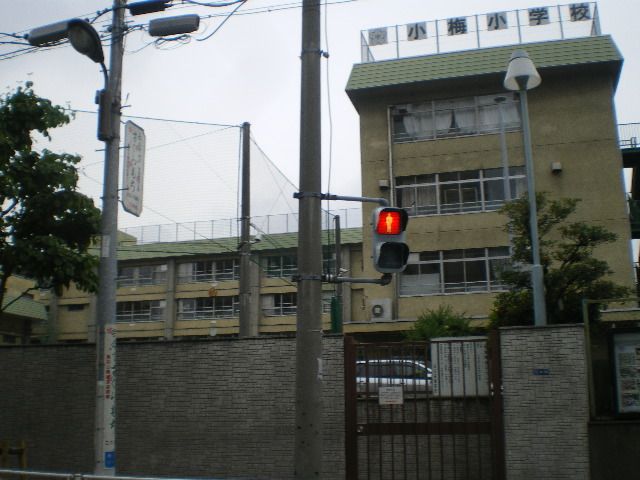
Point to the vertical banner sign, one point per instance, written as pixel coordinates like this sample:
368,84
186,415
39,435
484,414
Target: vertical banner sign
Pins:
109,411
133,178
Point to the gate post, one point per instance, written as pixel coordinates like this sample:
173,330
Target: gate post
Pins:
350,409
497,420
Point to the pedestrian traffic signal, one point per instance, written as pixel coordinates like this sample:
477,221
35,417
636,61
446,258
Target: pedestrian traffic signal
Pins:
390,252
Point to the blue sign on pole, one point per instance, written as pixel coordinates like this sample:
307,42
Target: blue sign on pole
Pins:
109,459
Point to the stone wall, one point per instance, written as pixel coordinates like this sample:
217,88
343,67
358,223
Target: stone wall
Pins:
188,408
546,403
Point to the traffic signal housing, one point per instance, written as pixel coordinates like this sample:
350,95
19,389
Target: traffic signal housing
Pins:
390,252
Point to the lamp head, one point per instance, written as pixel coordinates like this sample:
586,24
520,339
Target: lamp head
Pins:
521,73
85,39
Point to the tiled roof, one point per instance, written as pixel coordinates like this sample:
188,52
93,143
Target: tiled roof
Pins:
24,307
278,241
486,61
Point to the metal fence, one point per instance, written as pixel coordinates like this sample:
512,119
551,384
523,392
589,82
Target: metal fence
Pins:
230,227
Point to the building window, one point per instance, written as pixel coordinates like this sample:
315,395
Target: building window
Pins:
279,304
141,311
458,192
208,308
454,118
278,266
75,307
209,271
142,275
455,271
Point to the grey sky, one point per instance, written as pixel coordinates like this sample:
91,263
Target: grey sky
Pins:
250,69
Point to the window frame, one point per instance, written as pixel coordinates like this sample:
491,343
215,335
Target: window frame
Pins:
139,278
517,181
217,310
432,111
461,263
141,311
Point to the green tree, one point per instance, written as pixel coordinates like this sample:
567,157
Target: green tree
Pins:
571,273
442,322
46,225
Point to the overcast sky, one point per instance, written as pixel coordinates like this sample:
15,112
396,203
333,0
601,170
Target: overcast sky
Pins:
249,71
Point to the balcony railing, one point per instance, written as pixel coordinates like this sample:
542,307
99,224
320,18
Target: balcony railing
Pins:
629,135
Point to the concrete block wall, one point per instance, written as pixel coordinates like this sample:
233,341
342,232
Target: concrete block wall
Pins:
188,408
546,406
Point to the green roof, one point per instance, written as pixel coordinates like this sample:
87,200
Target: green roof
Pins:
221,246
24,307
486,61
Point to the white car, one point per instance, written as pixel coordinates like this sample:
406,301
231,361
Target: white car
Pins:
413,375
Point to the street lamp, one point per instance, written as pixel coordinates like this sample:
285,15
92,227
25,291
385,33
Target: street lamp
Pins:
522,76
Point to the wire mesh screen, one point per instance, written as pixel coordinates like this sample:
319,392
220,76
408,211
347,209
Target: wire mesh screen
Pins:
192,183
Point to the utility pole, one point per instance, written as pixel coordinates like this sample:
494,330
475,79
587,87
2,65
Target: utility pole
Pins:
248,322
308,438
105,423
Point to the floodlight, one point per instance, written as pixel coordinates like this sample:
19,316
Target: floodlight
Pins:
85,39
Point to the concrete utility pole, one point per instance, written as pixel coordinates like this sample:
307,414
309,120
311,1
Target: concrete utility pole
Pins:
248,321
308,438
105,460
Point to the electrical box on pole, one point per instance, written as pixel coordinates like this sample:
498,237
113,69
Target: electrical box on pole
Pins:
390,252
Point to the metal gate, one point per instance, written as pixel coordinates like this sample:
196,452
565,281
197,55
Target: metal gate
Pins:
424,410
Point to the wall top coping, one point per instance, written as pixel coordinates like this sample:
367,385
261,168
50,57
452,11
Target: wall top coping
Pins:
543,327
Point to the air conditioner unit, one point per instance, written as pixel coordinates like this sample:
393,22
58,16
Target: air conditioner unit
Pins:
380,310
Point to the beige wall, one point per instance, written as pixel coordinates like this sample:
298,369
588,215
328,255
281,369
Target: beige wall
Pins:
572,122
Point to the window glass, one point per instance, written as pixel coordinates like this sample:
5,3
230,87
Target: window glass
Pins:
455,117
459,192
426,256
453,254
459,271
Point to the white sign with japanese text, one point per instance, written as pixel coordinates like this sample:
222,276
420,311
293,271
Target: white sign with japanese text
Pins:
133,178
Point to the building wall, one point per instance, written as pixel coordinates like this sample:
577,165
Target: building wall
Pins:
190,408
74,315
572,122
546,402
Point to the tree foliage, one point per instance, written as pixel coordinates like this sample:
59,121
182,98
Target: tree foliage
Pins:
46,225
571,273
442,322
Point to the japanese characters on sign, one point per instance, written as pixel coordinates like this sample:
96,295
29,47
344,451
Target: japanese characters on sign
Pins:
497,21
627,369
417,31
538,16
457,26
378,36
579,12
133,178
459,367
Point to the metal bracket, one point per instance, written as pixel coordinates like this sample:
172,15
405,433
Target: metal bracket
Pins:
385,279
300,195
330,196
298,278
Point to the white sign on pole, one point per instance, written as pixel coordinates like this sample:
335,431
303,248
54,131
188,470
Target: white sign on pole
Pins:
133,178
